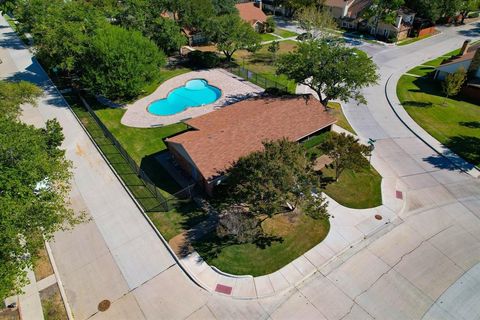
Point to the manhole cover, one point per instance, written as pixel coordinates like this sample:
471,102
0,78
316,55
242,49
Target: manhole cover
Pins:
104,305
378,217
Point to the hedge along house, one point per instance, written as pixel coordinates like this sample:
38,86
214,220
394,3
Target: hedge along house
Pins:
218,139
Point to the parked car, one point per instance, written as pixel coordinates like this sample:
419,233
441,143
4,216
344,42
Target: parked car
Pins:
304,36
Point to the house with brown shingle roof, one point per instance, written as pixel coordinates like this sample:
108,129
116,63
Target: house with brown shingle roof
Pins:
218,139
252,13
464,60
469,60
347,12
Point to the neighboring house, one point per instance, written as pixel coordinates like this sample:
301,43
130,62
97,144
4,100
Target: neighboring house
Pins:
218,139
465,60
398,31
468,59
194,38
252,13
347,12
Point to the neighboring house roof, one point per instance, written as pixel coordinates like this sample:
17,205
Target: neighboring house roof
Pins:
223,136
465,57
357,7
250,13
338,3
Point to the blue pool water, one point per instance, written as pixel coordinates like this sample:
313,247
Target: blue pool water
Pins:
194,93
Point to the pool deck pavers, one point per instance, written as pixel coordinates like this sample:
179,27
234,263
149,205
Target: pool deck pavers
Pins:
233,89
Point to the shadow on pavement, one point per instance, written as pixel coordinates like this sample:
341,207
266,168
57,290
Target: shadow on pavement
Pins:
10,40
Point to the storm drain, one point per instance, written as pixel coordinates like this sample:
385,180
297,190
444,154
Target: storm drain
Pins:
104,305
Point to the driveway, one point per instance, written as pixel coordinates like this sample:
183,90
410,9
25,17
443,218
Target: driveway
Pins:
426,266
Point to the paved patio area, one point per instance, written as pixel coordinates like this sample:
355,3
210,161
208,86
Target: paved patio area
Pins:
233,89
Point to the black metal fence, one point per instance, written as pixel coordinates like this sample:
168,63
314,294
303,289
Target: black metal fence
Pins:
258,79
151,187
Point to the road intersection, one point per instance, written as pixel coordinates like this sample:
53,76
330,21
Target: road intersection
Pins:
425,266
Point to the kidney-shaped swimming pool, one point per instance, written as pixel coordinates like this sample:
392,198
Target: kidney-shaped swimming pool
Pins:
194,93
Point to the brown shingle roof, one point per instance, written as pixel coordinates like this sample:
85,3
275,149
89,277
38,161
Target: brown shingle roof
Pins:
251,13
223,136
337,3
465,57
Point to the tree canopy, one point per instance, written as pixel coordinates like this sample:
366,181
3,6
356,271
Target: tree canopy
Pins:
271,180
332,70
434,10
315,20
120,63
231,33
383,10
346,152
278,179
34,186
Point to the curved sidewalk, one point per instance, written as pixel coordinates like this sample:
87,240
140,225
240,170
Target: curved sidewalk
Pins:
401,113
350,231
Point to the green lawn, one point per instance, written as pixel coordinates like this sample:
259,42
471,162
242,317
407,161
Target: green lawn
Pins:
454,122
421,70
413,40
342,121
358,190
268,37
263,63
138,142
285,33
294,238
183,216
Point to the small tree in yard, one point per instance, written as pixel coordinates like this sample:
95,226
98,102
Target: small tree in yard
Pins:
231,33
333,71
453,83
273,48
280,178
346,152
270,25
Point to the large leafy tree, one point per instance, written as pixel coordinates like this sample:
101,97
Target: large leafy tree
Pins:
166,34
34,185
231,33
333,71
315,20
224,6
120,63
193,14
434,10
61,41
346,152
271,180
383,10
277,179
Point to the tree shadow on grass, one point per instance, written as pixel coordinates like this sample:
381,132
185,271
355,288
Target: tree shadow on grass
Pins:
210,245
470,124
417,104
467,147
158,174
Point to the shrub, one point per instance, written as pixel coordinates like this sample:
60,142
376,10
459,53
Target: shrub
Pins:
270,25
203,60
474,14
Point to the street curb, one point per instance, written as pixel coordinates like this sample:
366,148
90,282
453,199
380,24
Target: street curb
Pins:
474,168
59,282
